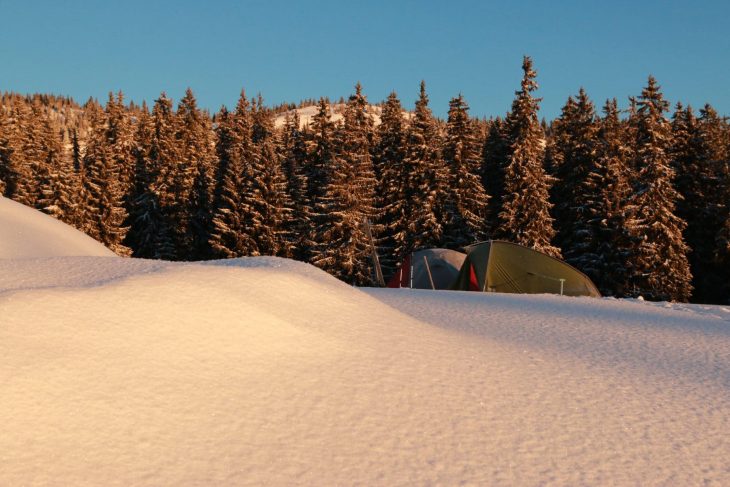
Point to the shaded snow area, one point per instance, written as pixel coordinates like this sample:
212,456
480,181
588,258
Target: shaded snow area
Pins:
25,232
265,371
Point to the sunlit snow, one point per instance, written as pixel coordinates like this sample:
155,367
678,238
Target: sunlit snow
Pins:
266,371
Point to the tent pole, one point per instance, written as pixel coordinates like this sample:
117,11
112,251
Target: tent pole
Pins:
428,270
410,286
374,254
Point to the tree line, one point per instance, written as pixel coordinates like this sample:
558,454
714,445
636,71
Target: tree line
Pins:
636,199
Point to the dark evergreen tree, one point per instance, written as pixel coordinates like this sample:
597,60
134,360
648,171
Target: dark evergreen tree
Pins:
76,151
192,184
343,248
265,200
660,270
467,200
604,241
322,154
294,160
393,203
119,134
56,188
29,152
525,216
151,235
495,157
8,173
103,213
574,148
231,234
426,182
698,152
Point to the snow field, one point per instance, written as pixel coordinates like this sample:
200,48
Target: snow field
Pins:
267,371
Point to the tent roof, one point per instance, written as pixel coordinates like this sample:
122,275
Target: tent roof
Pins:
502,266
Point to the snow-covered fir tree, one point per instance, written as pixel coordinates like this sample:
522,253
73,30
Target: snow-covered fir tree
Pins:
393,201
29,151
574,155
103,215
467,200
193,178
57,186
495,156
525,216
266,198
426,182
9,173
698,152
343,248
230,232
294,160
659,266
121,139
604,237
151,234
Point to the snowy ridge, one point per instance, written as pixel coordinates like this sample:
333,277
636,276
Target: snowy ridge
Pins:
337,110
268,371
27,233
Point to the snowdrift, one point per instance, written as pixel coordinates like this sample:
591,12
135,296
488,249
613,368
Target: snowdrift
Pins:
27,233
267,371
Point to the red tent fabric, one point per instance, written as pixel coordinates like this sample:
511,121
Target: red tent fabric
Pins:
402,278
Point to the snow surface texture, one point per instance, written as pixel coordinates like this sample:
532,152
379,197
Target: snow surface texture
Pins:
27,233
265,371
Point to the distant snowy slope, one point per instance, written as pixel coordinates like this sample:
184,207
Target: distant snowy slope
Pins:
28,233
337,110
265,371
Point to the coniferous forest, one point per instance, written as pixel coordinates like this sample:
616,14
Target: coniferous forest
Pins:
637,198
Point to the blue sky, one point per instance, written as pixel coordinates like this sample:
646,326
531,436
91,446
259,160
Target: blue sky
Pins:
290,50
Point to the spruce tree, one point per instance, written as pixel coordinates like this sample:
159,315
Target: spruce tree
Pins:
467,200
104,214
426,182
156,153
698,152
192,180
29,152
495,156
574,142
343,248
56,186
294,160
525,215
393,202
266,200
8,173
605,240
231,232
660,270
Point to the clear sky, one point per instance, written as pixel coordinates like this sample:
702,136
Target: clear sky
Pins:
290,50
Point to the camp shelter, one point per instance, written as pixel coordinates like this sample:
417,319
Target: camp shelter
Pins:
443,265
505,267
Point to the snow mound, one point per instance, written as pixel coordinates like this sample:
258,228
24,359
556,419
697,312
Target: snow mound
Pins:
265,371
28,233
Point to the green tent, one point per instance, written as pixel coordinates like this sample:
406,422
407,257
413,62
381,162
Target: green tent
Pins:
504,267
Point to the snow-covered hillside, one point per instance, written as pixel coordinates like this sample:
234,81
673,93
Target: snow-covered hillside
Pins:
25,232
265,371
337,110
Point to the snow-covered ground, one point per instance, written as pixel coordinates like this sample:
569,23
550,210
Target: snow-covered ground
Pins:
25,232
265,371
